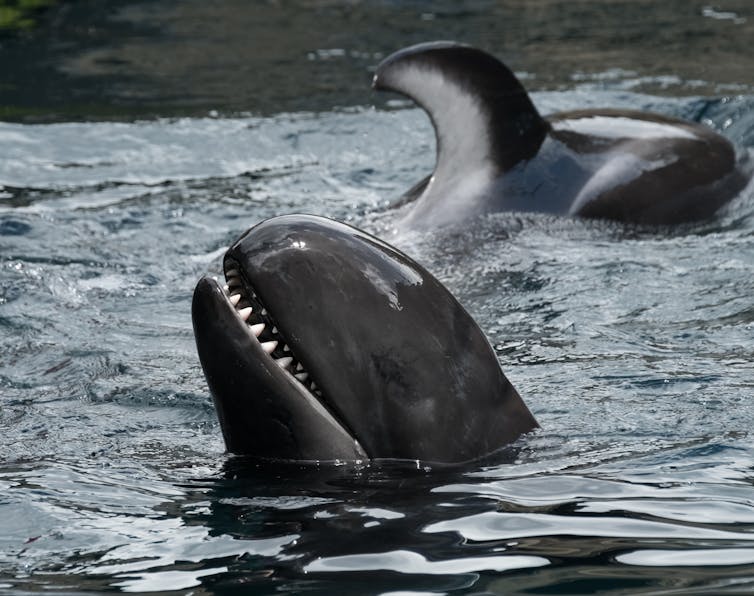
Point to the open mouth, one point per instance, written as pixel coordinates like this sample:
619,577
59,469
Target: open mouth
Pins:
267,402
262,326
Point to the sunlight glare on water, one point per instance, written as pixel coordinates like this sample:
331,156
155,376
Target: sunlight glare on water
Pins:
633,348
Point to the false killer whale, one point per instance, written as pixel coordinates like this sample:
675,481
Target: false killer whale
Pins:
496,153
326,343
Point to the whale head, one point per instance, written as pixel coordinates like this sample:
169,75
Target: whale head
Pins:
328,344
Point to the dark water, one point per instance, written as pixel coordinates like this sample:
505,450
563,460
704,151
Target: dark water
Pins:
632,347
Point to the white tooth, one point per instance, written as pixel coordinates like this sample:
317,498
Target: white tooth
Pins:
314,386
226,288
235,299
302,376
275,330
284,362
264,312
299,367
232,273
257,329
269,346
244,313
286,348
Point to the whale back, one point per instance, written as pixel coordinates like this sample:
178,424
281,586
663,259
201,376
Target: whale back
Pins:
496,153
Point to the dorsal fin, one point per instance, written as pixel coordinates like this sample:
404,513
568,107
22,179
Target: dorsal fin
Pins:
481,113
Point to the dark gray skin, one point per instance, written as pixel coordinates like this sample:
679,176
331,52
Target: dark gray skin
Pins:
401,369
496,153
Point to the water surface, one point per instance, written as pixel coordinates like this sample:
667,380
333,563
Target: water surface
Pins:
633,347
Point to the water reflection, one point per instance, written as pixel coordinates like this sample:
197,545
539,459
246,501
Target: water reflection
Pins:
137,58
303,527
296,524
409,562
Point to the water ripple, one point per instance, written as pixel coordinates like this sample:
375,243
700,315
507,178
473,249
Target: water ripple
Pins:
632,347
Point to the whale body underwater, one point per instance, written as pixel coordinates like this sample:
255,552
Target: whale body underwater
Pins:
327,343
496,153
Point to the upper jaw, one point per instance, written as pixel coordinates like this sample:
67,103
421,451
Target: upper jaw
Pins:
264,410
260,323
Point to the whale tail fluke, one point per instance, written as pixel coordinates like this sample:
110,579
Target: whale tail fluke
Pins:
482,115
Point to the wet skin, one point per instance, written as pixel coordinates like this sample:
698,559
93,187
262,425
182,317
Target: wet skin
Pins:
496,153
401,369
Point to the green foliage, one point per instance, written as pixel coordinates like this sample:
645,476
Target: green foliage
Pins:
20,14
